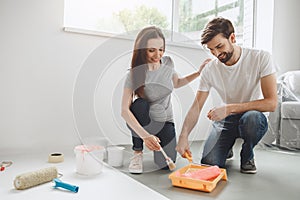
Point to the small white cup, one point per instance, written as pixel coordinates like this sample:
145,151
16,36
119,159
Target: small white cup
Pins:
115,156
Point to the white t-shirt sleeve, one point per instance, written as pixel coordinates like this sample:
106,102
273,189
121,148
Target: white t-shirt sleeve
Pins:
168,61
128,81
267,65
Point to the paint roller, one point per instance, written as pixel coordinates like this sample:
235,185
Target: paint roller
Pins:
30,179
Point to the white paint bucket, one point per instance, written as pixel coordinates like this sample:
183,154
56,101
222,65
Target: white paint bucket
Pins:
89,159
115,156
97,140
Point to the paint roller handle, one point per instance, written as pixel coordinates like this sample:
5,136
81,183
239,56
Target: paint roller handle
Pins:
59,183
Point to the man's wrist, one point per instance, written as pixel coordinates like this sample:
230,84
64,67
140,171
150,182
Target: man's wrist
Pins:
183,136
230,108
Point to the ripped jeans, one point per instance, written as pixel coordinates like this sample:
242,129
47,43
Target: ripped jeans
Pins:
251,126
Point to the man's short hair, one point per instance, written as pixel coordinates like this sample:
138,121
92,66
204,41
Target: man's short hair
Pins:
216,26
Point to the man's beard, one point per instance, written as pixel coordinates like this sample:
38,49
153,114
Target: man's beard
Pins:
227,57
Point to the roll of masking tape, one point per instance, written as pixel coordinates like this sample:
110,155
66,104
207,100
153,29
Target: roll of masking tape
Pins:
56,158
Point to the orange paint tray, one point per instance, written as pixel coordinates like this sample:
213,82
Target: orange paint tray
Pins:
195,184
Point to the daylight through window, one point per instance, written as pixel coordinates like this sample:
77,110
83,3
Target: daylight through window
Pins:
181,20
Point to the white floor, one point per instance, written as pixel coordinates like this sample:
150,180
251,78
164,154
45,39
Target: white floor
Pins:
110,184
277,178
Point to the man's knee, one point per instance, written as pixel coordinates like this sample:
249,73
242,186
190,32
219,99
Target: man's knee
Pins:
253,123
251,115
212,160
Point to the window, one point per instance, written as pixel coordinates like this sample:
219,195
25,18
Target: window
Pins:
181,20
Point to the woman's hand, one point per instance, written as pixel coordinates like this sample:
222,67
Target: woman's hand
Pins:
152,142
204,64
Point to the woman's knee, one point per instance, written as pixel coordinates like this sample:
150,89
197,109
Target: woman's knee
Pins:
140,105
140,109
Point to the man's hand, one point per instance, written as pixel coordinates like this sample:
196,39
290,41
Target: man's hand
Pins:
183,146
219,113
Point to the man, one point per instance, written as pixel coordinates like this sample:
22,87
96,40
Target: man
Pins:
246,82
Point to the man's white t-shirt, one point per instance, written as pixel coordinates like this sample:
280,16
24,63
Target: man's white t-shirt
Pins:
240,82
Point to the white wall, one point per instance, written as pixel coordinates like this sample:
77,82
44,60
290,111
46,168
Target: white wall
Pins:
41,66
286,32
39,63
264,25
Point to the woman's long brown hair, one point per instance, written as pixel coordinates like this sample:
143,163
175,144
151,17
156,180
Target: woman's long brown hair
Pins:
139,61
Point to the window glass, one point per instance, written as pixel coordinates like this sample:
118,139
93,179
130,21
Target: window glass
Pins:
117,16
181,20
194,15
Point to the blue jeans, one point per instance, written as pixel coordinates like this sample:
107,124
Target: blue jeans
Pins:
250,126
165,131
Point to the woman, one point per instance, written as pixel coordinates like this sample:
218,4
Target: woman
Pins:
150,83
